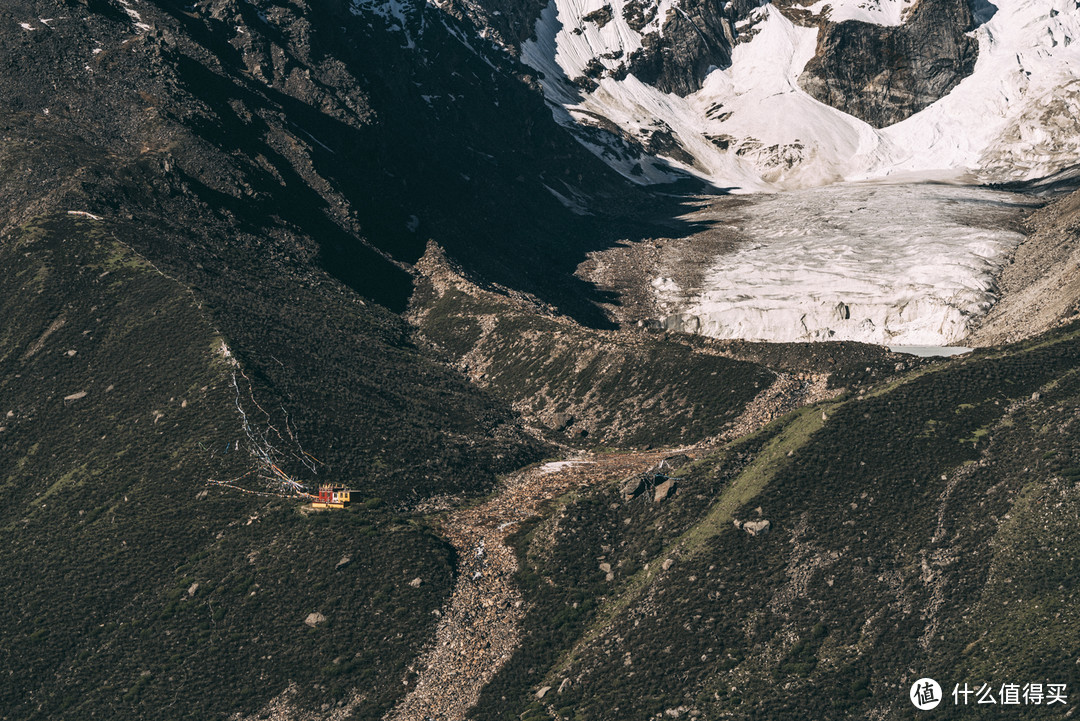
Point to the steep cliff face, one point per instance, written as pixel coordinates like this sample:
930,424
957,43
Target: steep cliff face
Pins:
669,45
693,40
883,74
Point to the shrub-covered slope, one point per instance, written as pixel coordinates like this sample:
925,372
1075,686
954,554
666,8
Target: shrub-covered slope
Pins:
588,387
928,528
252,166
133,589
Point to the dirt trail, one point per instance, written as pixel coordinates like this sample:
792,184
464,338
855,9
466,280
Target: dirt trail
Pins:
480,628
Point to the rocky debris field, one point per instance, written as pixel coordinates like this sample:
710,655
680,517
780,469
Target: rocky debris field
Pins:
788,392
481,624
1040,287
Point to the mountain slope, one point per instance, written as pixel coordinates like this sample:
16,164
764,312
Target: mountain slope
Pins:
934,519
182,159
135,588
214,263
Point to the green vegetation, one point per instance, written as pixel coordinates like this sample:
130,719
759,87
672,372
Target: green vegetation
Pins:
935,517
132,587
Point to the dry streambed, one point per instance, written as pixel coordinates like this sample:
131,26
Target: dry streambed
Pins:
480,626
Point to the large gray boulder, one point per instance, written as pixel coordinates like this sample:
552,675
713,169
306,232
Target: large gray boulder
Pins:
663,490
754,528
632,488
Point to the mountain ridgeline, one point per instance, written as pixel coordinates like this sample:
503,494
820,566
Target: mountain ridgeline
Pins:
340,241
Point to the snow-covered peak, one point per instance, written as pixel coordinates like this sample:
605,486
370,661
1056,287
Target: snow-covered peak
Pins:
751,126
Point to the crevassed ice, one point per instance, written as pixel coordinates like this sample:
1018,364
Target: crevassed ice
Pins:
909,265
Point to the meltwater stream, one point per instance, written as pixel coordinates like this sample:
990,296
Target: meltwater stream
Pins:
897,265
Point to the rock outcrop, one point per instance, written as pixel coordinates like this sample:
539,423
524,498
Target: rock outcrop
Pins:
664,490
693,40
632,488
882,74
754,528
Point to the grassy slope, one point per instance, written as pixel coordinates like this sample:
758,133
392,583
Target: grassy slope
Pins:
102,532
619,389
936,519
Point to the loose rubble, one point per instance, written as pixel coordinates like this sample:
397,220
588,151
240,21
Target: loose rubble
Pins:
480,627
787,392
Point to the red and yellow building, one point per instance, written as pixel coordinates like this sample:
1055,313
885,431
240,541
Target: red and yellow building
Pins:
332,497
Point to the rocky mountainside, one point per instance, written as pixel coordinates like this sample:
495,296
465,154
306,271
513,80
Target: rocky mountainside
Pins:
788,95
255,167
1039,287
253,246
885,74
816,569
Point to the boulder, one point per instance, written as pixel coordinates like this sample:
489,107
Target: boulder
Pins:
664,490
668,563
632,488
564,685
560,422
415,583
314,619
542,692
754,528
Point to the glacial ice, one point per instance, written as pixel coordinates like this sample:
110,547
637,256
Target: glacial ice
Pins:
898,265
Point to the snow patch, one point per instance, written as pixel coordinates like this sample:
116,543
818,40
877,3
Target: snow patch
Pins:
556,466
575,204
134,15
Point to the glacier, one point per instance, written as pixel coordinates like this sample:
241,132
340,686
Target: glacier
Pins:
879,235
896,265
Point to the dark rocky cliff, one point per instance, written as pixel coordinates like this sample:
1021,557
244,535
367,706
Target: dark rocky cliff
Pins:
693,40
885,74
